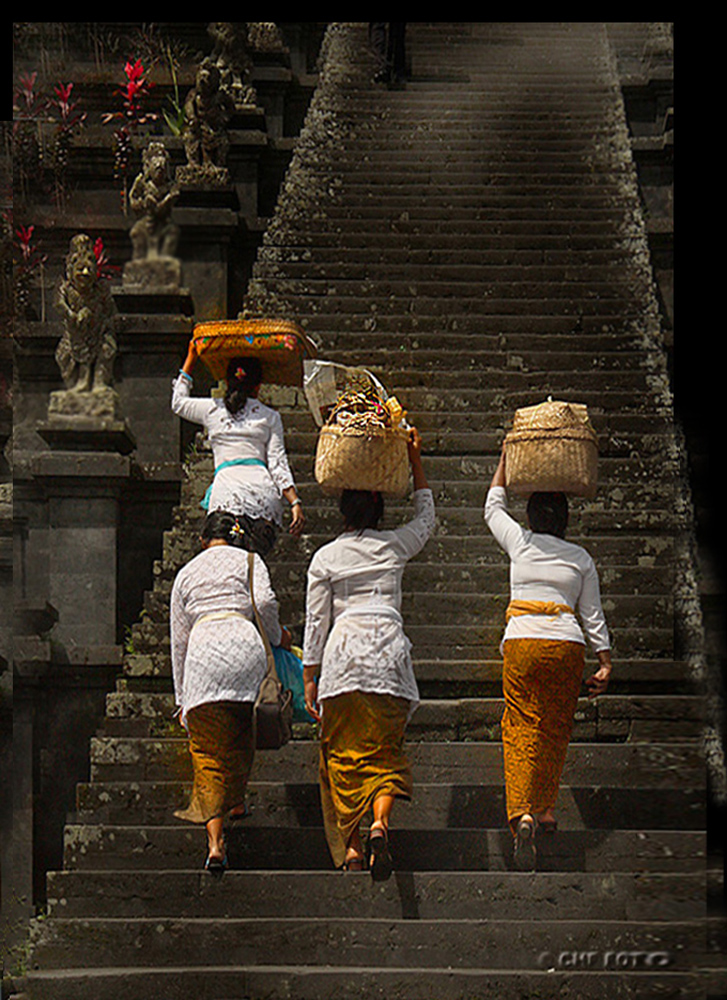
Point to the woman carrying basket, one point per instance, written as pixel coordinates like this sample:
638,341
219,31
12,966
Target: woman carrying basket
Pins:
366,690
218,663
543,654
252,471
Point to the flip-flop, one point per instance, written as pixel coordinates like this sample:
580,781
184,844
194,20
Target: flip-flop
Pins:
524,846
381,863
353,865
216,866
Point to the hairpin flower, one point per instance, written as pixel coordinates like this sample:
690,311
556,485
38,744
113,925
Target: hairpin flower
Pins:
237,529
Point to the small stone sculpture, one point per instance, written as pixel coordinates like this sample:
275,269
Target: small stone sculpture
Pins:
208,109
86,351
231,57
152,198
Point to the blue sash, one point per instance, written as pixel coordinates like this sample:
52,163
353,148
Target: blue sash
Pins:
205,501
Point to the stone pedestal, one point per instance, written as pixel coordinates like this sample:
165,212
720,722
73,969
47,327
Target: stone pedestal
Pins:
208,218
83,421
82,491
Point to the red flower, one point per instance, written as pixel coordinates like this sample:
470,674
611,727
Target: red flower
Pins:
25,236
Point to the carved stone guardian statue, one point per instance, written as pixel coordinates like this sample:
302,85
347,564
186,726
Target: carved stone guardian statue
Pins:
86,351
85,414
154,237
232,58
208,110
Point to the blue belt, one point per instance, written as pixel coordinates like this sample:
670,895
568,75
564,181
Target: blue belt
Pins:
205,502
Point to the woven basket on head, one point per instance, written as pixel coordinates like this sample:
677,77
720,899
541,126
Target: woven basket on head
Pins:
280,345
377,460
552,447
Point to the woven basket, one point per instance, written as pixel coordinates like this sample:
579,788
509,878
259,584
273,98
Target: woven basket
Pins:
280,345
552,447
377,460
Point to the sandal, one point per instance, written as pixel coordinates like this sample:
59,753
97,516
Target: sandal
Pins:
216,866
524,846
353,864
380,860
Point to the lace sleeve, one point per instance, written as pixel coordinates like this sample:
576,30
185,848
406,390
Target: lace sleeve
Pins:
184,404
278,464
414,535
180,629
266,601
319,602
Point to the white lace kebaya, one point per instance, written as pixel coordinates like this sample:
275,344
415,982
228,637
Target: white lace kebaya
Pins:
217,652
354,627
255,436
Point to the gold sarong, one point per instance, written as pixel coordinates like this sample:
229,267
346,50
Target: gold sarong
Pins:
361,758
222,749
541,681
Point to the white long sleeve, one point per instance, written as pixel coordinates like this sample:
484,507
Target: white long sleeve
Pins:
546,568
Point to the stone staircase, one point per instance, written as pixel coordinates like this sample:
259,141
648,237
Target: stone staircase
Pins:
476,240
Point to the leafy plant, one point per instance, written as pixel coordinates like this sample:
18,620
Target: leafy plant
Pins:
132,117
28,262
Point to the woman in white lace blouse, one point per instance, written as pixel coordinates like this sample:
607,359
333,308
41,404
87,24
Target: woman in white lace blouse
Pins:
218,662
366,691
252,472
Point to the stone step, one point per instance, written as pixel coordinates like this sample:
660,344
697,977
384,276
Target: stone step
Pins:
457,274
344,983
435,806
608,717
89,847
347,941
648,765
448,639
191,893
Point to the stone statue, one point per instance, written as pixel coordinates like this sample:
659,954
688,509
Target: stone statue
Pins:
86,351
152,198
231,57
265,36
208,109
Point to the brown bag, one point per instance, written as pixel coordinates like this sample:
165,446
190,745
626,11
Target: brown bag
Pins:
273,711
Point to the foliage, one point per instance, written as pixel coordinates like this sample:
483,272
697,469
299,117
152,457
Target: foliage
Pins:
28,261
132,116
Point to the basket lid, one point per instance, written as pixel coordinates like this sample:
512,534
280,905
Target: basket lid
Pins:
280,345
552,415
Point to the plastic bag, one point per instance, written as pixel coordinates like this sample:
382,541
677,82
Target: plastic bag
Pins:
326,382
289,665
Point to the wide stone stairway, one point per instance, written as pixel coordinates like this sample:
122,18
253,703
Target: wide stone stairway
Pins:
477,241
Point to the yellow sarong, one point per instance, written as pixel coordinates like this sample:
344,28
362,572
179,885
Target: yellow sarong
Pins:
361,758
541,681
222,748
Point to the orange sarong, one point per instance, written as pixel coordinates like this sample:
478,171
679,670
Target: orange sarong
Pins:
361,757
222,747
541,681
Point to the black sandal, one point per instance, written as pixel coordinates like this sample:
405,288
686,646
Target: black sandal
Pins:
216,866
524,846
381,862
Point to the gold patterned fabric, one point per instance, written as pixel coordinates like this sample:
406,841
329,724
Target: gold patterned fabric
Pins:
222,749
361,758
541,681
550,608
